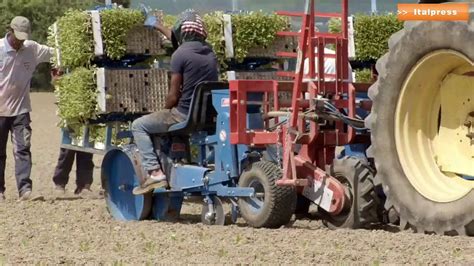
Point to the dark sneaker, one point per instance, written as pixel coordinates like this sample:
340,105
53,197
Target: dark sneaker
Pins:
86,193
25,195
150,185
59,192
2,197
84,189
59,189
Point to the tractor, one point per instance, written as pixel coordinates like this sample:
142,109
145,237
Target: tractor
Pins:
421,126
401,151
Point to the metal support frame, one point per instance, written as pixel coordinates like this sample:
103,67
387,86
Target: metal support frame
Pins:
303,164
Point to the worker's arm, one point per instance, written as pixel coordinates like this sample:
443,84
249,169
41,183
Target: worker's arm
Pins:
175,91
43,53
154,22
164,30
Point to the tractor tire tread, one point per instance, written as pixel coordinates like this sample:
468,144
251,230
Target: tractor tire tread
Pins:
405,49
366,205
282,200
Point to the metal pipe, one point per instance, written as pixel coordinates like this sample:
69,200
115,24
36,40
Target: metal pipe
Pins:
234,5
374,6
272,114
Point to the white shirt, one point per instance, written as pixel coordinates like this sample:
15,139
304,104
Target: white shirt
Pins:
16,71
329,65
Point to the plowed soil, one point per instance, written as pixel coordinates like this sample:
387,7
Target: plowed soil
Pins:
75,230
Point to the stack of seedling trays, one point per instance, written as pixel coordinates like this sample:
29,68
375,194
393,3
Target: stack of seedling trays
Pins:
108,59
132,90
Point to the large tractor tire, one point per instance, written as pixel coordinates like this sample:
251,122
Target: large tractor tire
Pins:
422,114
363,203
272,206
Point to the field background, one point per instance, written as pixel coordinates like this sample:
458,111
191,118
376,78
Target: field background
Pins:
72,230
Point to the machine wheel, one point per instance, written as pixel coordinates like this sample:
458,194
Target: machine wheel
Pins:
423,105
216,218
363,203
121,172
302,206
272,206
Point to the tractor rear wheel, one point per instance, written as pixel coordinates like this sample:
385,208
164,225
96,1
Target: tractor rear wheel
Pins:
423,111
272,206
363,203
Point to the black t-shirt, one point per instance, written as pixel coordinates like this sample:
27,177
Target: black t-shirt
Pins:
196,62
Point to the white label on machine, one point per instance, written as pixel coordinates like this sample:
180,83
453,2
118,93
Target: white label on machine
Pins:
231,75
97,33
350,26
101,87
229,42
319,194
225,102
222,135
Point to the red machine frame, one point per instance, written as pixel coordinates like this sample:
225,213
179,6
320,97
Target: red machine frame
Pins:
317,146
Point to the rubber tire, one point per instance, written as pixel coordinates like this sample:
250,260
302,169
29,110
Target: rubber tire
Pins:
280,202
302,203
219,210
406,47
365,205
302,207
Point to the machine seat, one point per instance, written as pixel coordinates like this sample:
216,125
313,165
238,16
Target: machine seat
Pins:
202,113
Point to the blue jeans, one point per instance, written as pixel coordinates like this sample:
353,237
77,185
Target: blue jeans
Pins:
20,130
154,123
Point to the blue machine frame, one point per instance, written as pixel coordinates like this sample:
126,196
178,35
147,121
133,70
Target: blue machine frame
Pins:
215,174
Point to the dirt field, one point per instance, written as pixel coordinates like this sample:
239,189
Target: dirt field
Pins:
81,231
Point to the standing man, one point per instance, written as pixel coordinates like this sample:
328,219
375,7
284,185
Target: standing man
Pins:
84,171
192,62
18,60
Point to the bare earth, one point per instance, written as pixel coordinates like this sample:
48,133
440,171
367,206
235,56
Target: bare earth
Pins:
81,230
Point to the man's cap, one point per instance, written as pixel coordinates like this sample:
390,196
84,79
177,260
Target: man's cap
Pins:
21,28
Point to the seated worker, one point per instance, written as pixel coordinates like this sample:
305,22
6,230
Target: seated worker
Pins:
193,62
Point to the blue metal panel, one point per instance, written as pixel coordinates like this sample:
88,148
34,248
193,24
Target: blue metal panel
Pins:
88,146
167,206
120,178
65,137
355,150
108,137
254,97
359,111
226,191
225,153
199,139
127,134
255,121
187,176
86,138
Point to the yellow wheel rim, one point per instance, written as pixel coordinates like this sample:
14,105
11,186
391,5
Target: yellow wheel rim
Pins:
431,132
